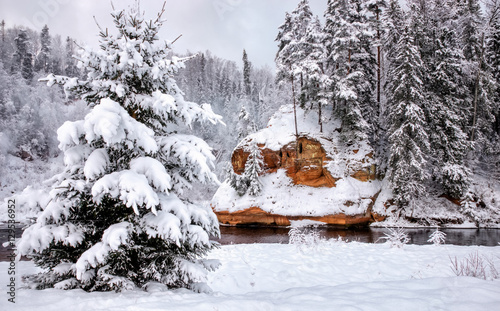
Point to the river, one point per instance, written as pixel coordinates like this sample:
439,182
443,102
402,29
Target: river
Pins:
419,236
245,235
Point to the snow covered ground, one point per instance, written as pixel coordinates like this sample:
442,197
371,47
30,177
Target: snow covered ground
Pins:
329,275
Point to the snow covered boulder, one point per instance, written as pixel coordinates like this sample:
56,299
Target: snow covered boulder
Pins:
315,176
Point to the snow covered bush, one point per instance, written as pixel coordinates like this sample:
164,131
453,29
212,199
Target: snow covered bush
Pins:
117,217
437,237
304,237
475,265
237,182
396,237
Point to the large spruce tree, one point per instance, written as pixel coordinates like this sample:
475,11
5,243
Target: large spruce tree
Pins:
408,138
493,58
301,58
447,115
349,66
316,87
117,218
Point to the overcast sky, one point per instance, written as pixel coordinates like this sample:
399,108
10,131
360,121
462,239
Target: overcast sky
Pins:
225,27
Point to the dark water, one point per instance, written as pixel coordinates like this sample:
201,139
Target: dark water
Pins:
4,236
240,235
248,235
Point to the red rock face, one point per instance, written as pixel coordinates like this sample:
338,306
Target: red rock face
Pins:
256,216
304,163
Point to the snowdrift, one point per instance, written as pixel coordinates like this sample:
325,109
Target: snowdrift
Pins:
329,275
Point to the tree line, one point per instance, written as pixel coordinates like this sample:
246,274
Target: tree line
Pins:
30,112
420,84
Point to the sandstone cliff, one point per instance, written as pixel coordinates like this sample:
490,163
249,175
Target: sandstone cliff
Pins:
309,177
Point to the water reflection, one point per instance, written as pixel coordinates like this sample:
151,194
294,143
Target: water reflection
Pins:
419,236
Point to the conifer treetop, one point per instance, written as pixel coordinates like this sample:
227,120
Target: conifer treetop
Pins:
133,69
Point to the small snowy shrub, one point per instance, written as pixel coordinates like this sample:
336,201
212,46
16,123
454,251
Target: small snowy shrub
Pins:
396,237
475,265
437,237
304,237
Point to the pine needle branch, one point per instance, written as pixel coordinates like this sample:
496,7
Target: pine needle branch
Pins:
161,12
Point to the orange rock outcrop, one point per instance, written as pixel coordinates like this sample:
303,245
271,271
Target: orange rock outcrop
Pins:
305,163
256,216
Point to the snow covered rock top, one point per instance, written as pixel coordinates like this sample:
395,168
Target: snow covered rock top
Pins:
342,160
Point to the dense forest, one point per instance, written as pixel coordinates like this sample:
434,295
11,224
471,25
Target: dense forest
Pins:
420,83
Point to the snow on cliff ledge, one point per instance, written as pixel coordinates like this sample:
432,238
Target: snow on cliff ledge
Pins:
281,196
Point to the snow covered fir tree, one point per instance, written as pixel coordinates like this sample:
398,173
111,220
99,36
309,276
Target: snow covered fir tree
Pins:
118,217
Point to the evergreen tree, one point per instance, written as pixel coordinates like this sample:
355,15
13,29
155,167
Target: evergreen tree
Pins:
293,50
42,60
408,136
57,56
483,106
27,67
202,79
2,41
253,168
447,116
249,181
478,76
493,59
70,67
420,22
247,68
237,182
364,62
394,20
4,97
292,44
22,61
284,38
347,62
377,24
470,20
117,216
316,84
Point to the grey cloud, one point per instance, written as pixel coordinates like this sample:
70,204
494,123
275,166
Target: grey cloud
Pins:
225,27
